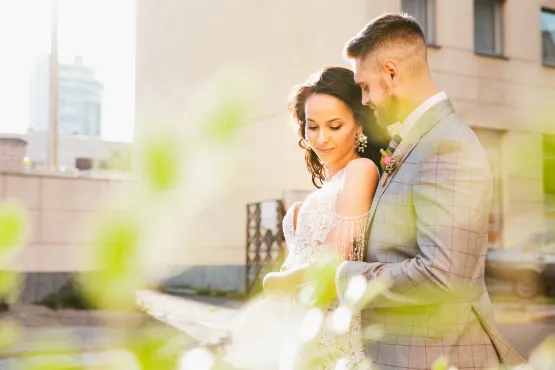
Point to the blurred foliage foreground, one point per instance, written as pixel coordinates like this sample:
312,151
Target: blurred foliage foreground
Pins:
179,168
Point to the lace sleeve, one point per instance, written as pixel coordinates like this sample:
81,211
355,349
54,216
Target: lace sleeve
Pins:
348,236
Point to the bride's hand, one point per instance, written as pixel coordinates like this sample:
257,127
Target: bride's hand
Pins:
285,282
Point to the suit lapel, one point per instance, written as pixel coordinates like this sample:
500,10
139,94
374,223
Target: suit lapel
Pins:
422,126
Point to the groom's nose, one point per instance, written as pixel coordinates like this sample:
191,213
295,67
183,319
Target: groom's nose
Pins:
365,99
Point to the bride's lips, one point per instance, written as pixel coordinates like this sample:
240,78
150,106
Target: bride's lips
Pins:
324,150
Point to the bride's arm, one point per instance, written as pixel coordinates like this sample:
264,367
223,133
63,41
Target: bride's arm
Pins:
350,223
282,281
285,282
296,208
348,230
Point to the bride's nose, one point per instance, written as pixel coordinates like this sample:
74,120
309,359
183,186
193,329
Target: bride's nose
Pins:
322,137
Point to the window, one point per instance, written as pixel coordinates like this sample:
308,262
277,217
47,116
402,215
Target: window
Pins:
488,27
424,13
548,37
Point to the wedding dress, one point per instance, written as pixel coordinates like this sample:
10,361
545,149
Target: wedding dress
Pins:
317,224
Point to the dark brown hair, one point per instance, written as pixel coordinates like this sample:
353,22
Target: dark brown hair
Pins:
337,82
387,29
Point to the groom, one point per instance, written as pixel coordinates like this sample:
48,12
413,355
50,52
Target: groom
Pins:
429,218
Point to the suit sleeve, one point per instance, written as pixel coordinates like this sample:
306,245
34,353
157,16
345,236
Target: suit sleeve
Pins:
451,193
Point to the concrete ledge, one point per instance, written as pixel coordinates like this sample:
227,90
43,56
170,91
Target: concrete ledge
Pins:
226,278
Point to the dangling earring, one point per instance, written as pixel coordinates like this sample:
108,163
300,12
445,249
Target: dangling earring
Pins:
361,142
307,144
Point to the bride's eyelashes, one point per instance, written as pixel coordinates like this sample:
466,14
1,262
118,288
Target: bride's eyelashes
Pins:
334,128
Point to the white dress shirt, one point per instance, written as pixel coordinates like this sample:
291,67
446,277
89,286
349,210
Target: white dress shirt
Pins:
416,114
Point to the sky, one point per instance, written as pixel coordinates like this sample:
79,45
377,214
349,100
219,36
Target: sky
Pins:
101,31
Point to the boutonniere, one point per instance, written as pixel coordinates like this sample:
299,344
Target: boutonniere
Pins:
390,162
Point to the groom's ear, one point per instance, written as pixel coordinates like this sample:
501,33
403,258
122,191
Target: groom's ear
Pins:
392,70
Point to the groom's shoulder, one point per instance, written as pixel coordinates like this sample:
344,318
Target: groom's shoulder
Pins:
451,129
452,136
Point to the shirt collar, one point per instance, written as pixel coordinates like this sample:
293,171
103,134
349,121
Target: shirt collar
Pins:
416,114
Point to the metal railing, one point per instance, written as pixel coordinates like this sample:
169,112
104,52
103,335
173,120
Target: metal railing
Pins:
265,241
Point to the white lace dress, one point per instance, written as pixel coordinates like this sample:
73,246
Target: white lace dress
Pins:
317,222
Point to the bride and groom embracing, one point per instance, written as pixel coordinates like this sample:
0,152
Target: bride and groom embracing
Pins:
412,213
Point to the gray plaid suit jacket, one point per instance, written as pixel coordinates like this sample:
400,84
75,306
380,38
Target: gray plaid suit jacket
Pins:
428,242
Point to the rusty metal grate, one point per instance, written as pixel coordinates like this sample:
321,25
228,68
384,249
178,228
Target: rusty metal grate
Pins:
265,241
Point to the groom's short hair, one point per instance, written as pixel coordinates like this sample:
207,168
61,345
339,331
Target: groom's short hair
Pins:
391,29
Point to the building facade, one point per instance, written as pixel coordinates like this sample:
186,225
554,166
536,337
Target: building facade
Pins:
79,100
70,148
494,58
12,152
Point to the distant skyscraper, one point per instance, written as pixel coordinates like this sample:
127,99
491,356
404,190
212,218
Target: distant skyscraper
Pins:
79,101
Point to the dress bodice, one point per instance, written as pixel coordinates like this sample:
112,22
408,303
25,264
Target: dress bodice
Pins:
314,220
319,224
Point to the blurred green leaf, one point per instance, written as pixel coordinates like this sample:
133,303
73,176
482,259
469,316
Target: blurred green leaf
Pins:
321,275
9,283
12,226
52,363
160,347
232,99
162,160
10,333
226,118
442,363
116,253
373,290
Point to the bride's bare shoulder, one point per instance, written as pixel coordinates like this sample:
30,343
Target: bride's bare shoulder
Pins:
361,171
358,187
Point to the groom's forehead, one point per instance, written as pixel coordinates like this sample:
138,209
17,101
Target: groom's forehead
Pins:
360,67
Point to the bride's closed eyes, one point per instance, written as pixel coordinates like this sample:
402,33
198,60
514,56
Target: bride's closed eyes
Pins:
334,124
334,128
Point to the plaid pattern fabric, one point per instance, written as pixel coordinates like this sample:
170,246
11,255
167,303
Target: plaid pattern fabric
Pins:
428,241
393,144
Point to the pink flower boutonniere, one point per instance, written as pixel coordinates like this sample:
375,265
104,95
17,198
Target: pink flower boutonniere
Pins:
391,162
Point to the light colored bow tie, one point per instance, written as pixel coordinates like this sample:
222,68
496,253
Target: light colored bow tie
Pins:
395,129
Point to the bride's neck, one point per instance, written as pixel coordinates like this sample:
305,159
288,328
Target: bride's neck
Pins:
333,168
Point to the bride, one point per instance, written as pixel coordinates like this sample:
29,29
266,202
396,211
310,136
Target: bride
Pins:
341,142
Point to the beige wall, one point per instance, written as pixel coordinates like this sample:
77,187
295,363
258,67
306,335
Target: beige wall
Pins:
516,93
182,44
61,212
523,195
